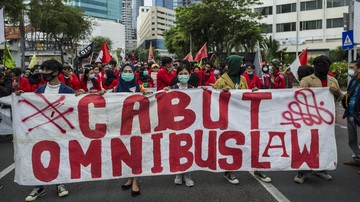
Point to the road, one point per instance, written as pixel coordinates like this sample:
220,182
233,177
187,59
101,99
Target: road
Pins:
345,185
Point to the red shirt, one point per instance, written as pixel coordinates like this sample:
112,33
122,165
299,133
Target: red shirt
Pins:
113,84
83,85
206,80
149,84
24,85
324,83
164,78
255,82
72,82
279,81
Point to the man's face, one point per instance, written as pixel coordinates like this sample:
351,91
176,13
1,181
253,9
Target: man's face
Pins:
96,71
207,67
354,67
176,64
249,70
67,71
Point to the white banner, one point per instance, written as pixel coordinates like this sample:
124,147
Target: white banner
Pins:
5,116
63,138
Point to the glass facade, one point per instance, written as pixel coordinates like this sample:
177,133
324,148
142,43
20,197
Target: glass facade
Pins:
109,9
156,43
169,4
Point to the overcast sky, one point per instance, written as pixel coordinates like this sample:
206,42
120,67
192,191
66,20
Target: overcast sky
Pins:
147,3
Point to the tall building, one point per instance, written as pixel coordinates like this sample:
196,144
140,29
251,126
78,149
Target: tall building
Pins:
135,7
169,4
109,9
151,24
127,13
321,23
184,2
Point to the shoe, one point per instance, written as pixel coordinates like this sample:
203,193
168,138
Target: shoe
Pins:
262,176
126,186
62,191
135,193
35,193
178,179
188,181
230,176
352,163
322,175
300,178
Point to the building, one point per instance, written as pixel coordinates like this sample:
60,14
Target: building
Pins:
135,8
109,9
127,14
151,24
169,4
184,2
321,23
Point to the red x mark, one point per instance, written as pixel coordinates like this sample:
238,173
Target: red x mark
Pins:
50,106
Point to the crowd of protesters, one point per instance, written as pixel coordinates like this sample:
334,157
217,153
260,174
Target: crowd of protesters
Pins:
53,77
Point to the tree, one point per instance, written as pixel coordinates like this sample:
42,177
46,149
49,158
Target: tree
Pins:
98,41
14,10
66,25
338,55
235,27
271,49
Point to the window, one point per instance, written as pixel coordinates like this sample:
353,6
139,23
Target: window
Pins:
266,28
286,8
264,10
309,25
337,3
333,23
311,5
286,27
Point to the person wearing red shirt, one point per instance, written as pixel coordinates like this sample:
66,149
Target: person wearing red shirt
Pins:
89,83
110,80
144,79
277,77
166,74
207,77
252,80
35,78
69,78
20,83
266,77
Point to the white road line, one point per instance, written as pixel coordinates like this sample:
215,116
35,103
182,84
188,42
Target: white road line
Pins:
272,190
341,126
7,170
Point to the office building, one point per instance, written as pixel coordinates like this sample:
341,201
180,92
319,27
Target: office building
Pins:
169,4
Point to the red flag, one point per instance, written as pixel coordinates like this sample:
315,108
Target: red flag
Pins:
303,57
104,54
202,53
189,57
151,53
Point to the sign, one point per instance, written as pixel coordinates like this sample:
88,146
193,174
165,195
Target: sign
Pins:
348,40
64,138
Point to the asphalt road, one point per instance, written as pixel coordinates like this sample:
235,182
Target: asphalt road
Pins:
345,185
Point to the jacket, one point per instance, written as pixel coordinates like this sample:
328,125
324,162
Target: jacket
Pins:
164,78
313,81
345,103
64,89
225,82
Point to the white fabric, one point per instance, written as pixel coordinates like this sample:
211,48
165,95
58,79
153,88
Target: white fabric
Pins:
301,122
52,89
89,85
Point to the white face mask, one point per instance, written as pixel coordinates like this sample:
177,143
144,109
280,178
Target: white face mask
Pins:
352,73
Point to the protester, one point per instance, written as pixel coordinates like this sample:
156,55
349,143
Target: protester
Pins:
35,79
5,84
69,78
166,74
207,77
277,77
113,66
232,79
252,79
53,86
89,83
127,83
144,79
266,77
110,80
320,79
304,71
351,104
20,83
193,80
154,72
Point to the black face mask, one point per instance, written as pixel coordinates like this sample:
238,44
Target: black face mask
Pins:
48,77
321,71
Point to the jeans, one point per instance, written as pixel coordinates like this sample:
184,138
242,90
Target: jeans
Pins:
354,138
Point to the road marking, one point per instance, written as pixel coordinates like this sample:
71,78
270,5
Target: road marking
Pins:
272,190
341,126
7,170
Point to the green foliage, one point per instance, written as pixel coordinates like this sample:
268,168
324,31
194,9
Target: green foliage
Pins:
271,49
143,54
13,10
338,55
224,25
340,71
98,41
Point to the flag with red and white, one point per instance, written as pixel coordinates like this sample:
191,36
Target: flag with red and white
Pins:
104,55
151,53
299,61
189,57
202,53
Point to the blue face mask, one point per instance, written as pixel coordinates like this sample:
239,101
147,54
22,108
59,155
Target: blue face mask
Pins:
145,73
216,72
40,71
127,77
183,78
351,73
91,76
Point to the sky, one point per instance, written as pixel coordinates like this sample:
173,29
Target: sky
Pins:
148,3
